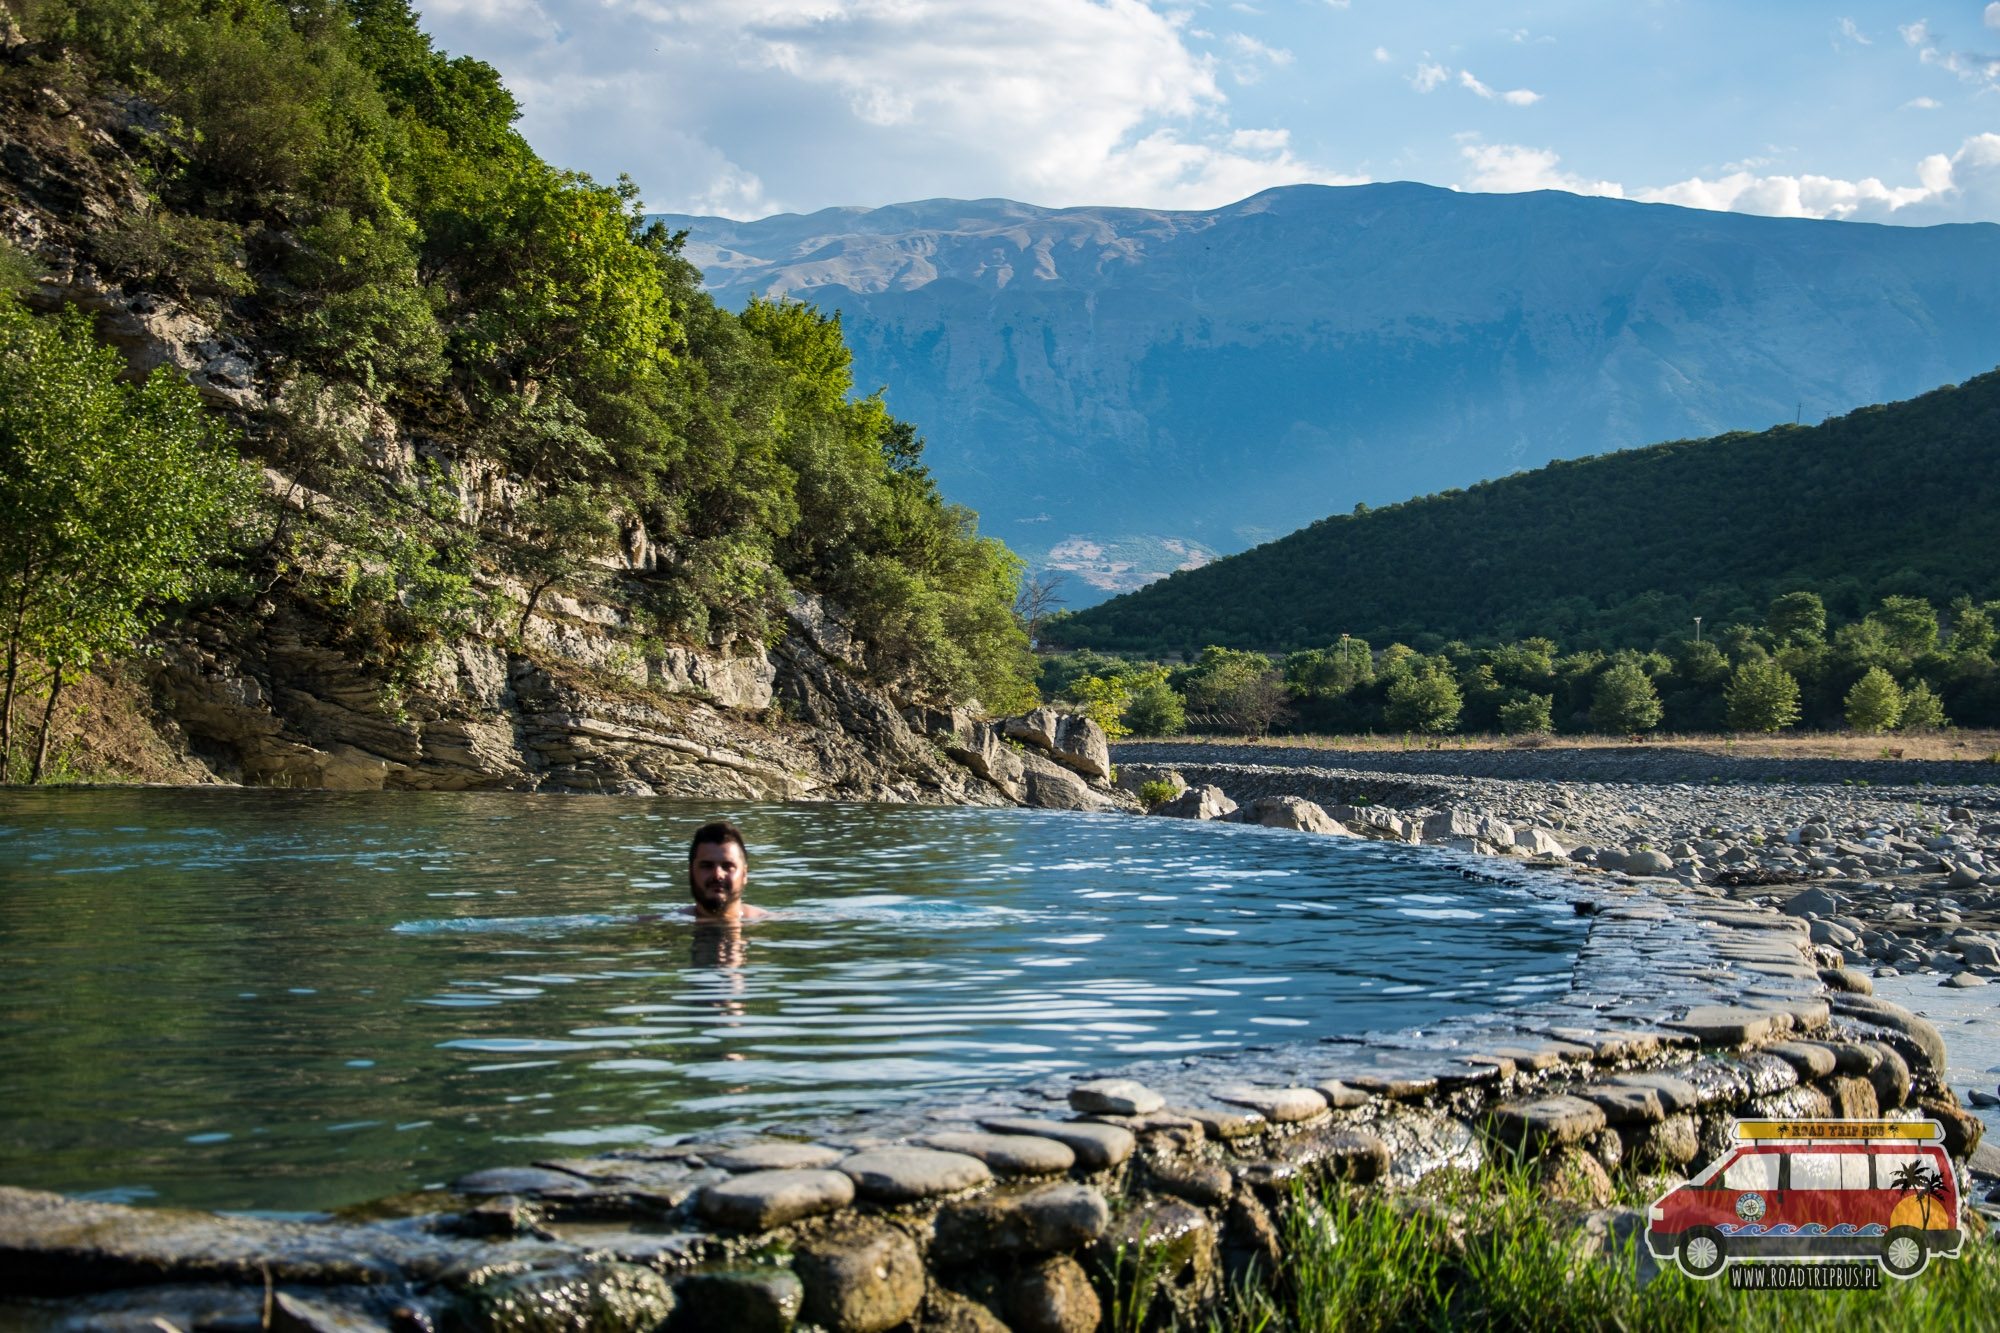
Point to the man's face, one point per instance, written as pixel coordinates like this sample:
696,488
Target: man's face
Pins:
716,878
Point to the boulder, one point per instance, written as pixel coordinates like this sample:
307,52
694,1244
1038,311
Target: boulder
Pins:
1648,862
1131,777
1533,841
981,748
861,1280
1292,812
1036,728
1204,802
1080,744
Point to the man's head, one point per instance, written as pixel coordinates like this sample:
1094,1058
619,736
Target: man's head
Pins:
718,867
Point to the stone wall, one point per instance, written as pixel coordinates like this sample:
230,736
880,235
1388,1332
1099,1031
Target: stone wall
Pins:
1020,1209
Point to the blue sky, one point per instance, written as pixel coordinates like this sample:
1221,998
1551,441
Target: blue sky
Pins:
1872,112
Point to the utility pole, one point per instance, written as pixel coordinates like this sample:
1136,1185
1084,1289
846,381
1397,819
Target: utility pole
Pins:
1697,629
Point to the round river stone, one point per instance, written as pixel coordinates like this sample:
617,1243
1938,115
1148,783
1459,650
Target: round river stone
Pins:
1115,1096
1008,1154
1281,1106
1097,1147
772,1157
899,1175
761,1200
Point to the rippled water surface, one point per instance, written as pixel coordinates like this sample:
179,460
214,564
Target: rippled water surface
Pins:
293,1000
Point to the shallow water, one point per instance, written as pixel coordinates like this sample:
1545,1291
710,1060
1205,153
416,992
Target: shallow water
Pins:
288,1001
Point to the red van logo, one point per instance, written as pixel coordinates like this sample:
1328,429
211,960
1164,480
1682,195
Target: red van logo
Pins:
1815,1191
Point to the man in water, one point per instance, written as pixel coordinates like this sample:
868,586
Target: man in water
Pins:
718,868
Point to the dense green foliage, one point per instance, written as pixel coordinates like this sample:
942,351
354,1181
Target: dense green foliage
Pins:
327,185
113,499
1618,550
1901,666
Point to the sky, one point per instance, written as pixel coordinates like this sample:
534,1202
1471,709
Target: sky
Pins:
1878,112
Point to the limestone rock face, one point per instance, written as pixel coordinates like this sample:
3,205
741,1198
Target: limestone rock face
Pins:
981,748
1205,802
1036,728
1080,744
742,683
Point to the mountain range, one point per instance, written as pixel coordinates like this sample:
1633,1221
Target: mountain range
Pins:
1121,392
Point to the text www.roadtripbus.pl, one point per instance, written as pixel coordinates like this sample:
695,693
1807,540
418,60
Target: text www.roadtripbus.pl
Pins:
1805,1277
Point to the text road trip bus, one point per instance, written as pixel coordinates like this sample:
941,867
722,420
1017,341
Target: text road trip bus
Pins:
1815,1190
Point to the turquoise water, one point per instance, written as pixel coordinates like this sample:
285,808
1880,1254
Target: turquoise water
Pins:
289,1001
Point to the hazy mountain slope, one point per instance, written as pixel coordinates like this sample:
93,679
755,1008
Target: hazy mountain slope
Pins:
1618,550
1221,377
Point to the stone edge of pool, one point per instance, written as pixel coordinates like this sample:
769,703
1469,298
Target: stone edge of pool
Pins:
1685,1011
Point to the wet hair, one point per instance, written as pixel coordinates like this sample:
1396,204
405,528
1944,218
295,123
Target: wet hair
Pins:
721,831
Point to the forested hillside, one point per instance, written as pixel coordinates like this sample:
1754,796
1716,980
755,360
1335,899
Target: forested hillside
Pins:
1617,551
466,368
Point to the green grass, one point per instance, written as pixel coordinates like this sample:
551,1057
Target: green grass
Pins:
1491,1252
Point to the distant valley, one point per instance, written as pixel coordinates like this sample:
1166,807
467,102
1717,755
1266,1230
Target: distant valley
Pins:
1124,392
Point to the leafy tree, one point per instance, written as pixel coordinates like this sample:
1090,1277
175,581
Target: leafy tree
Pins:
1796,617
1104,702
1154,710
1241,690
1526,714
1910,624
561,532
113,501
1922,710
1425,699
1875,702
1761,696
1972,629
1625,700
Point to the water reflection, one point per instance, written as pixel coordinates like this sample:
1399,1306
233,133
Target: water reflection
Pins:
293,999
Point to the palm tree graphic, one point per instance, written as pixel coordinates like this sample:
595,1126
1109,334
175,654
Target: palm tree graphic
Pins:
1926,1182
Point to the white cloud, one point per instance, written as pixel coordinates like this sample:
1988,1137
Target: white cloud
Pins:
1852,33
1921,104
1382,53
1993,14
1515,97
1965,184
723,105
1505,168
1251,55
1429,77
1968,66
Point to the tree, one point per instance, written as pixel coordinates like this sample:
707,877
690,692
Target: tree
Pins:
1796,617
1922,710
1040,595
1241,690
1155,710
1875,702
1625,700
1909,623
1103,700
1425,700
563,531
113,499
1527,713
1761,696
